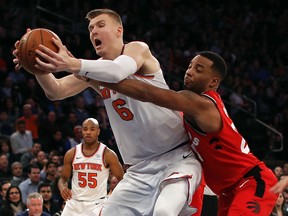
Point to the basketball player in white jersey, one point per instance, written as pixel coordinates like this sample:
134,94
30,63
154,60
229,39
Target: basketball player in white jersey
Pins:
90,163
164,174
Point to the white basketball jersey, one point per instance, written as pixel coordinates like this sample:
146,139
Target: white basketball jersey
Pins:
143,130
90,175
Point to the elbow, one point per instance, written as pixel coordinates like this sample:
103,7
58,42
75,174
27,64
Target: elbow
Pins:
116,78
52,97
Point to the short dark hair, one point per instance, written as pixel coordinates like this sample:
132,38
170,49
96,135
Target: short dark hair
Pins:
3,183
33,166
96,12
219,63
43,184
20,121
48,163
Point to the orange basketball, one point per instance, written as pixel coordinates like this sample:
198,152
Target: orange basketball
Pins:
29,43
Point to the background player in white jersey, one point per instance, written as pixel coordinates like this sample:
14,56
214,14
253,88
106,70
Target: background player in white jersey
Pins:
90,163
149,137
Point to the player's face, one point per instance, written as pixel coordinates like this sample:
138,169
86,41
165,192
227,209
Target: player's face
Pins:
198,75
90,132
103,30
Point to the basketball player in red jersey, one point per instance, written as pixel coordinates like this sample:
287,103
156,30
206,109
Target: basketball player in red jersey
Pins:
241,181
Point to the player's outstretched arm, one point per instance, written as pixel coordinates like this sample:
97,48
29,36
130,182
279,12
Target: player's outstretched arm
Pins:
148,93
280,186
58,89
102,69
66,174
55,89
195,107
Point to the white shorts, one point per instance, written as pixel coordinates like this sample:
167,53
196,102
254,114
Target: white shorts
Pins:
87,208
137,192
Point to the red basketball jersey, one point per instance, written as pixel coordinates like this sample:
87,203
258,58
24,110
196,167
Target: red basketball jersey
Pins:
225,155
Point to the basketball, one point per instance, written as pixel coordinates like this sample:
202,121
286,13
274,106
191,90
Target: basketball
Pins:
29,43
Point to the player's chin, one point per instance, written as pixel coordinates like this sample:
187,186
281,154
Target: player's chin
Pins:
88,140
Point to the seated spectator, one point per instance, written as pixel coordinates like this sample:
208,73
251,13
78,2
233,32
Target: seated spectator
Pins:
17,173
69,124
278,209
80,109
30,157
14,204
56,142
57,160
41,160
11,109
6,125
4,187
47,127
54,185
31,120
75,140
21,140
5,171
278,171
50,205
34,206
50,173
6,149
32,183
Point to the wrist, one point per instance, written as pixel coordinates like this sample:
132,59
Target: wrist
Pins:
75,66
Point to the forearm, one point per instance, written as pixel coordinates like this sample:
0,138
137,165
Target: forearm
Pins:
132,88
62,183
107,70
58,89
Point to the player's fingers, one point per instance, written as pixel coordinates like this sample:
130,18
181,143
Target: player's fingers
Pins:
70,54
44,66
16,44
28,29
58,43
43,50
47,57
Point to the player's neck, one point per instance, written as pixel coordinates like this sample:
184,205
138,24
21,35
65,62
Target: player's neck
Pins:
114,52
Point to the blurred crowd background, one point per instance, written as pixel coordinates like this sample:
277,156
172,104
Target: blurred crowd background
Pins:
251,35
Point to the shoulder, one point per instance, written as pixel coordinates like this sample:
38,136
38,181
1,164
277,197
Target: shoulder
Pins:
70,153
109,154
25,213
136,45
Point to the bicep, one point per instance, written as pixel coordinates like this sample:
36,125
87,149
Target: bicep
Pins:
67,165
113,163
139,51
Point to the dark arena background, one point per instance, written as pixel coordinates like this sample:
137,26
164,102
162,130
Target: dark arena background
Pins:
251,35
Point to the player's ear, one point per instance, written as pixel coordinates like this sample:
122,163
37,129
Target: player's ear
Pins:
214,83
119,31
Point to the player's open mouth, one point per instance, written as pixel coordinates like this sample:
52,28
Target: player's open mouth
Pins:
97,42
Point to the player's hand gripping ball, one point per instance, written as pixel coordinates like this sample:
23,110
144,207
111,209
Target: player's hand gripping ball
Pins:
29,43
